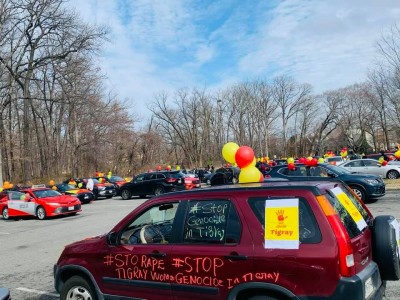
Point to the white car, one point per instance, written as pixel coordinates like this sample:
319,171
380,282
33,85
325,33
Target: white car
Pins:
334,160
371,166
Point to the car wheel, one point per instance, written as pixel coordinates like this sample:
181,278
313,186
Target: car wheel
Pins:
359,192
126,194
41,213
385,249
5,213
392,174
158,191
77,288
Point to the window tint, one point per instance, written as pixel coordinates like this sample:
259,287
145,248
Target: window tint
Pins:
211,221
154,226
344,215
308,232
370,163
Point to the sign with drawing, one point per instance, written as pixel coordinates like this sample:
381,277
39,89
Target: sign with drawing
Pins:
282,224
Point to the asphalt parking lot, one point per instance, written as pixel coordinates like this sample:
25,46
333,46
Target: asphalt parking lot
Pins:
30,247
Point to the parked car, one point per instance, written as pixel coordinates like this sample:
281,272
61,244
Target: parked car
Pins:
224,175
100,189
334,160
306,240
117,181
367,186
38,201
153,183
84,195
371,166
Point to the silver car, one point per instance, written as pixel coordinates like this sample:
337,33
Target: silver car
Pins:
371,166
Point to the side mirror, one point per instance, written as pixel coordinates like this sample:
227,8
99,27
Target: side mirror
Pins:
112,238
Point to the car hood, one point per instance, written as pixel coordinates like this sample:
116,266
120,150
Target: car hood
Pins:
64,199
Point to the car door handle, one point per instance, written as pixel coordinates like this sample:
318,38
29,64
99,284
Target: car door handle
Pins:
157,254
235,256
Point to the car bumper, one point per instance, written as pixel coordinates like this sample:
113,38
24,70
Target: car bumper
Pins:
366,285
376,191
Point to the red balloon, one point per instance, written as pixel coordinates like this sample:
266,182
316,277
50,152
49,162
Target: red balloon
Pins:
314,162
244,156
302,160
384,163
291,166
159,168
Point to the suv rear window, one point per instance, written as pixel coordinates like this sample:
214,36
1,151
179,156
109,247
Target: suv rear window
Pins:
344,214
308,232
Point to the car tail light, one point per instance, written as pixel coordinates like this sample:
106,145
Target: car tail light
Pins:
346,256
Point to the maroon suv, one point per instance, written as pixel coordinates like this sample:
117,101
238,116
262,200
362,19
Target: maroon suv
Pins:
275,240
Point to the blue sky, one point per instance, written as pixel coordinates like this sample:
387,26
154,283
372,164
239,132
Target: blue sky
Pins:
164,45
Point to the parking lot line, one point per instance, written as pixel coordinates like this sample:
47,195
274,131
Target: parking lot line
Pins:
37,292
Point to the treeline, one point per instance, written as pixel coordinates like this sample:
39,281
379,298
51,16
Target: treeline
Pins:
58,120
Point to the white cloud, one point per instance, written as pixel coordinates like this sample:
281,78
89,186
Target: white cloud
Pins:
163,45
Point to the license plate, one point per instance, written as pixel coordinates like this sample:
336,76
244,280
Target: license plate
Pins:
70,208
369,287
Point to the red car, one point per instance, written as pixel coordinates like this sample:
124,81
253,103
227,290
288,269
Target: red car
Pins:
271,240
40,202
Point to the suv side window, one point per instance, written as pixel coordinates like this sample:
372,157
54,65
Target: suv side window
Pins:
309,232
211,222
160,176
154,226
139,178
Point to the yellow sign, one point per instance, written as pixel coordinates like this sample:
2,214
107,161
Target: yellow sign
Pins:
350,208
281,224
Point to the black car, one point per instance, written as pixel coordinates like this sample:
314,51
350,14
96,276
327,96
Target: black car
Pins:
367,187
100,189
153,183
85,196
224,175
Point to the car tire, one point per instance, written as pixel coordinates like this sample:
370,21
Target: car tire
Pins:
359,192
385,249
41,213
158,191
77,288
126,194
5,213
392,174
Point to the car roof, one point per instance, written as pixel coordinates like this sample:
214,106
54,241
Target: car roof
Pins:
315,185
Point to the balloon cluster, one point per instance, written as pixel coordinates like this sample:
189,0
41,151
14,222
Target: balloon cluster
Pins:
397,154
343,153
7,185
291,165
309,161
382,161
329,154
245,159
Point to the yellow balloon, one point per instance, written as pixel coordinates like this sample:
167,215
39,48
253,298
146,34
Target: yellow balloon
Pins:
79,184
1,189
51,182
249,174
178,168
54,187
321,160
290,160
229,152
